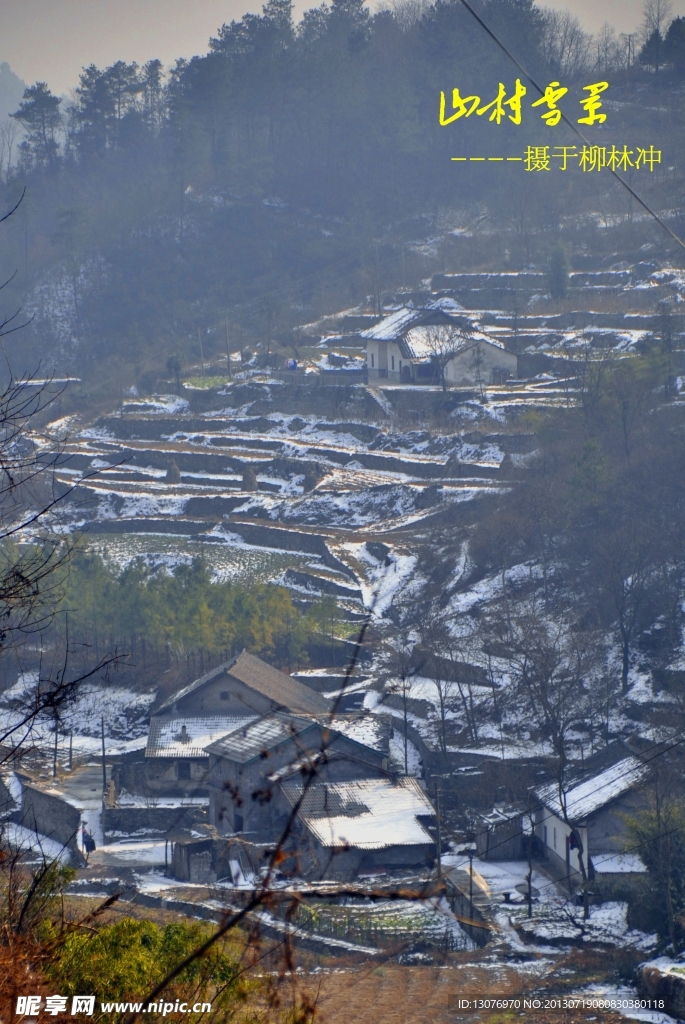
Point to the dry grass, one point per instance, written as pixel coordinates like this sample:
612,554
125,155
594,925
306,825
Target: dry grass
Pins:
394,994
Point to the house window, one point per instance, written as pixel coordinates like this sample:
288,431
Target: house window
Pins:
183,770
373,360
393,361
555,838
545,828
238,822
224,695
400,366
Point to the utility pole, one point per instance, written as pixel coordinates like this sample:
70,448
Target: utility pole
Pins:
529,877
202,358
471,884
437,815
104,766
228,351
54,760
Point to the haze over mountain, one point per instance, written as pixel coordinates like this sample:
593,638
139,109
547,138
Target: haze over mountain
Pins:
11,90
52,40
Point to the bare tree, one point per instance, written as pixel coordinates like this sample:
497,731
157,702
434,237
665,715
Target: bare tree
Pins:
33,554
403,670
444,342
625,560
655,14
566,48
608,47
551,665
408,12
9,133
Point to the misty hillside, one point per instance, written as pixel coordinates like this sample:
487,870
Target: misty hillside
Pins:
343,563
296,169
11,90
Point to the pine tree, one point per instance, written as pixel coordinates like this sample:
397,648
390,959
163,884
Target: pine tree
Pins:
40,116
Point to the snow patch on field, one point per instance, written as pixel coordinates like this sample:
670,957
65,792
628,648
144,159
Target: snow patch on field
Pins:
384,579
606,925
166,404
125,714
397,754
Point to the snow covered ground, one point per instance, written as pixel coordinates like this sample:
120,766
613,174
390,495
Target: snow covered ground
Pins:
125,713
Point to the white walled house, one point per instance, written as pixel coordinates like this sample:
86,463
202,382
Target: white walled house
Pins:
596,808
399,350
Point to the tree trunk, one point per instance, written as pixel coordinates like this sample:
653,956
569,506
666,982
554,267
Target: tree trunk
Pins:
625,662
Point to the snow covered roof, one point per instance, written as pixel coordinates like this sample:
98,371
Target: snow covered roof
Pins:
269,681
186,736
369,814
249,741
416,343
369,730
617,863
588,796
396,324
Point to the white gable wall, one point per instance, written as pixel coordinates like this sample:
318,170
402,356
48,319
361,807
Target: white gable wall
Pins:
384,360
463,368
554,833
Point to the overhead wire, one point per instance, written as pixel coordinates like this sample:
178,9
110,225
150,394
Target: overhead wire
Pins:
574,128
680,738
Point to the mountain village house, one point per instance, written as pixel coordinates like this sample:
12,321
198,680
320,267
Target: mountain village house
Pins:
596,808
227,698
404,348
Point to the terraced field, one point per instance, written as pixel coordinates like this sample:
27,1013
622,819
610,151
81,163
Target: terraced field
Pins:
276,480
267,494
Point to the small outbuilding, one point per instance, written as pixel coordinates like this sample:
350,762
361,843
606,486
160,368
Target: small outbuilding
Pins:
363,826
499,834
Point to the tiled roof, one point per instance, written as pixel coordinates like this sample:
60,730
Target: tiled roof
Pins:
588,796
368,730
187,736
248,742
270,682
416,344
369,814
396,324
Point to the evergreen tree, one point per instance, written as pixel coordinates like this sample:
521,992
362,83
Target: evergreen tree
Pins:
652,53
674,46
41,119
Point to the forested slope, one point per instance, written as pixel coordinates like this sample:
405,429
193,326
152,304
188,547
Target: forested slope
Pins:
293,170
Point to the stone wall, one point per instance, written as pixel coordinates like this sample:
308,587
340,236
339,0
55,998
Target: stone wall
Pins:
117,821
52,817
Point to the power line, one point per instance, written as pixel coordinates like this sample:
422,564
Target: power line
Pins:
574,128
533,810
